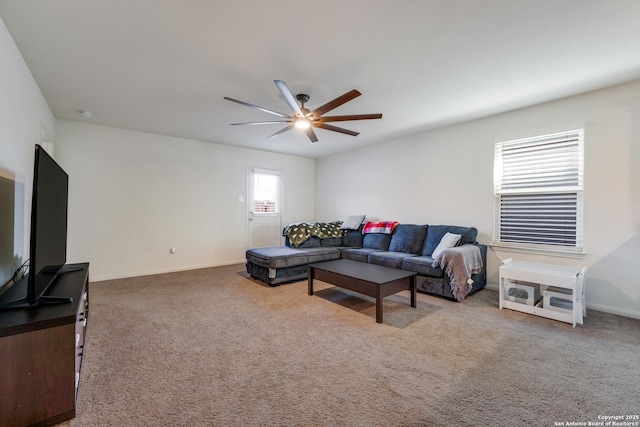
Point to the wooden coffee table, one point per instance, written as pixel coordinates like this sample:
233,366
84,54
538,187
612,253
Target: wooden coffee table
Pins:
368,279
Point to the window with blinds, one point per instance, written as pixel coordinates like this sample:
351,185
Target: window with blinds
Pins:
539,192
266,191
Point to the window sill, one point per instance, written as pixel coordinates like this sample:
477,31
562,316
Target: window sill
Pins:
537,251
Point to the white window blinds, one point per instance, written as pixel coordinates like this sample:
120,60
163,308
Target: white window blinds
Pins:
266,185
539,191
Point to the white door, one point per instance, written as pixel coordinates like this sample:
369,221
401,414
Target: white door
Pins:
264,203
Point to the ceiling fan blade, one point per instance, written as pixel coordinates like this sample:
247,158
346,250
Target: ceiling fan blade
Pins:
335,103
291,126
286,93
311,134
266,110
336,129
350,117
269,122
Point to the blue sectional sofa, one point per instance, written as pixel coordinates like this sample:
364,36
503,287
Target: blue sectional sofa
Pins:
408,247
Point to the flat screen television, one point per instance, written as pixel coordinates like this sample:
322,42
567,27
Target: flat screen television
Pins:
48,240
48,244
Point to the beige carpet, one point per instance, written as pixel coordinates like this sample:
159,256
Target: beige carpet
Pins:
213,347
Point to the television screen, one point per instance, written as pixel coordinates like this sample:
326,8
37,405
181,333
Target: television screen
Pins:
48,249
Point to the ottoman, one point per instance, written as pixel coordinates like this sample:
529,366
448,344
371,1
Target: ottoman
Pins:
280,264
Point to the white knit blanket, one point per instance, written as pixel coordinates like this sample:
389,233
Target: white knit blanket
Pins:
459,263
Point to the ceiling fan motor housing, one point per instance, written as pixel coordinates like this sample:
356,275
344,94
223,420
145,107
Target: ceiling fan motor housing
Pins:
302,98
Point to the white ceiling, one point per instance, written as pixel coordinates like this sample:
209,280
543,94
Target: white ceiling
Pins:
164,66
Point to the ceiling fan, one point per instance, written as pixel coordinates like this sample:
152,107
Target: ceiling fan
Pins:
308,119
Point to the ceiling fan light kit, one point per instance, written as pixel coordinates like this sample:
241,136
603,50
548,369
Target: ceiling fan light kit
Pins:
306,119
303,123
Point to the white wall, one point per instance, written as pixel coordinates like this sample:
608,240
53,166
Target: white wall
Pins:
23,115
445,176
135,195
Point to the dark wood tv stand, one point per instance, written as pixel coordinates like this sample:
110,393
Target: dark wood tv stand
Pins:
41,352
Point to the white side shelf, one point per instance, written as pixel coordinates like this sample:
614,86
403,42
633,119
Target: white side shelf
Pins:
546,275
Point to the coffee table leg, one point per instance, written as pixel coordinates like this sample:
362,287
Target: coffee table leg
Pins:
413,291
310,272
379,309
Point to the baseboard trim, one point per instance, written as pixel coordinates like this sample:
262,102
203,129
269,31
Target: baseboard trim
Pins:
164,271
492,286
614,310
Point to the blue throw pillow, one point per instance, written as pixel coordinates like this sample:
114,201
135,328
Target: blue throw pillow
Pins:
408,238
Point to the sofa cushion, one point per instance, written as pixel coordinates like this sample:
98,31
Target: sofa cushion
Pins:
311,242
284,256
422,265
436,232
353,238
376,241
408,238
331,242
358,254
388,259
